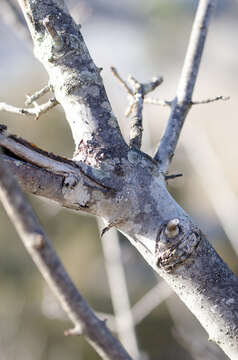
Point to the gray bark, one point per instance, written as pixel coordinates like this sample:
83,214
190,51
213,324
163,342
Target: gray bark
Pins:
123,185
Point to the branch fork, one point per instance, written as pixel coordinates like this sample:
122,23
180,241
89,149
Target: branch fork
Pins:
136,92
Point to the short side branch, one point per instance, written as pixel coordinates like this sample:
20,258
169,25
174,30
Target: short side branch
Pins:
32,98
182,102
36,111
136,92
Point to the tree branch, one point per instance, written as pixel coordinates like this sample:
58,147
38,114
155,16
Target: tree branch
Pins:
136,93
32,98
181,104
119,293
36,111
76,81
41,251
128,187
45,169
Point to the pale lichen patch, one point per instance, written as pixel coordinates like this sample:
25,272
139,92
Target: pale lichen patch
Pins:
148,208
133,157
74,191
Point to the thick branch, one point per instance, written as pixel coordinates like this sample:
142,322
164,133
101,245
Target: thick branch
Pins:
40,249
75,79
181,103
73,185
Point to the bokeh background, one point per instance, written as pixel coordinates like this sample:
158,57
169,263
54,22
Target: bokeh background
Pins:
144,38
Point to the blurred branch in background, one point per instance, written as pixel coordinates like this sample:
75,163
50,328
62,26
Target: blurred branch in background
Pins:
119,292
210,171
11,14
182,102
153,298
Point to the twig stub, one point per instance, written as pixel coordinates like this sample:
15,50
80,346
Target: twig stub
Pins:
172,229
137,92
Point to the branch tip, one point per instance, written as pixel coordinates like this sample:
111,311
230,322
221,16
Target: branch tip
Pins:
35,111
123,82
209,100
173,176
182,102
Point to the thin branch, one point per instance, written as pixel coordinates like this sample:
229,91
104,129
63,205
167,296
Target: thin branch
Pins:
32,98
157,102
123,82
41,251
200,102
181,103
119,292
210,100
36,111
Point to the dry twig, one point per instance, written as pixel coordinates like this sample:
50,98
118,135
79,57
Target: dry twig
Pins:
182,103
36,111
136,92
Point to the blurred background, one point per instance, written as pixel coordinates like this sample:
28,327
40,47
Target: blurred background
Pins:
144,38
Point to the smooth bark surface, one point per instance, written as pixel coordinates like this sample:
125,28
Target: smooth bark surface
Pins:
123,185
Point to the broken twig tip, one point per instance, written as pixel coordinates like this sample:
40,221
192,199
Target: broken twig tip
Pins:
173,176
77,330
210,100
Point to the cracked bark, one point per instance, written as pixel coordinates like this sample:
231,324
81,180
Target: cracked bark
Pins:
135,197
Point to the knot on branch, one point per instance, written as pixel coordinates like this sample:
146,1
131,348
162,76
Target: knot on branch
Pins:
175,243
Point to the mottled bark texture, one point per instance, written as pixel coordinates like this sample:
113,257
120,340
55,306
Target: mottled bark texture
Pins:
123,185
